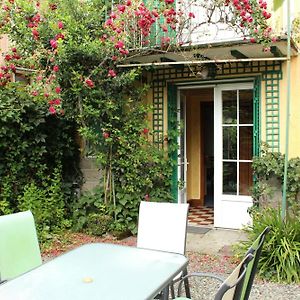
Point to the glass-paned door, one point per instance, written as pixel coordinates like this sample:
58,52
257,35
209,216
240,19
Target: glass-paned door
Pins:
233,159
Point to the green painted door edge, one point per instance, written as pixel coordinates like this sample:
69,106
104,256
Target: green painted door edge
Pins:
256,116
172,137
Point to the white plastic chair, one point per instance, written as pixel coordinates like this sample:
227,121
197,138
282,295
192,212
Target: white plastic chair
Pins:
163,226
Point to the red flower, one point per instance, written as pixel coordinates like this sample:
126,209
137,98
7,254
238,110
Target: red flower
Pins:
58,90
119,45
89,83
53,44
59,36
169,1
56,101
14,49
56,68
12,67
111,73
60,24
106,134
35,33
52,110
121,8
253,40
145,130
191,15
128,3
7,57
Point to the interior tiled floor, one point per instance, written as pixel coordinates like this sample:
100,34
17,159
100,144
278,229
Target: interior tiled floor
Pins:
200,216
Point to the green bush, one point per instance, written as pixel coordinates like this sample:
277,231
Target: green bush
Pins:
47,205
98,224
280,257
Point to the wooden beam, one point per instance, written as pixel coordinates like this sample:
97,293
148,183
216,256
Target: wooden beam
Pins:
237,54
276,52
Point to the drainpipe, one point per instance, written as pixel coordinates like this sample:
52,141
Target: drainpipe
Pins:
288,100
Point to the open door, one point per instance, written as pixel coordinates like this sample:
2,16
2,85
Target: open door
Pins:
233,114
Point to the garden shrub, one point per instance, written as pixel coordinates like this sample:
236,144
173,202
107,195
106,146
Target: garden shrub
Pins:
98,224
46,202
280,257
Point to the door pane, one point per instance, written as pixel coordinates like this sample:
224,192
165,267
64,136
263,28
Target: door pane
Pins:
229,99
246,179
246,142
230,142
246,106
229,177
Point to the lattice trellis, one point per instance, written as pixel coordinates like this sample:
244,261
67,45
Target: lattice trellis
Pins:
272,109
158,112
271,71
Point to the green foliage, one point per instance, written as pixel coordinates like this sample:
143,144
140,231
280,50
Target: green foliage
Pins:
280,257
91,202
271,165
47,205
110,115
32,144
98,224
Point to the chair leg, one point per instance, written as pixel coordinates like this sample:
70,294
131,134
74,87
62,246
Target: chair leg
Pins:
172,291
186,284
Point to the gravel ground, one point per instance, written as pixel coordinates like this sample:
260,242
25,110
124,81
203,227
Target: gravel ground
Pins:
222,266
204,289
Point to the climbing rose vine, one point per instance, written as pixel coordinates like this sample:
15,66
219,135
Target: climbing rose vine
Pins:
130,28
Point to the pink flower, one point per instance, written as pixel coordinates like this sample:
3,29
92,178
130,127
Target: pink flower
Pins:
12,67
56,68
147,197
14,49
52,110
191,15
105,134
56,101
53,44
89,83
58,90
111,73
169,1
119,45
60,24
121,8
34,93
35,33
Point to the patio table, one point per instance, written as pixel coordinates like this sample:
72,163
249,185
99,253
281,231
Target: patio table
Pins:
98,271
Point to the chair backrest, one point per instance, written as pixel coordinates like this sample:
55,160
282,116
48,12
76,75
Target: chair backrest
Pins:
162,226
231,288
19,247
255,249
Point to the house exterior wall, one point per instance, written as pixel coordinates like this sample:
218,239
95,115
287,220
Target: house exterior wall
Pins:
294,126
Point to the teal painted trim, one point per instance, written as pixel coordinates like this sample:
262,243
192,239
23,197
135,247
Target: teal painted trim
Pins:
172,137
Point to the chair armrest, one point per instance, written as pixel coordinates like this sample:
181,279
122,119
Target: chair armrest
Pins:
198,274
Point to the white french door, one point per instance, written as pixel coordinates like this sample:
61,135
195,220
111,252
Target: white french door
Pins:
182,157
233,151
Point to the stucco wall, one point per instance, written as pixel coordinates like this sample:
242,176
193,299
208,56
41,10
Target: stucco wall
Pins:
294,134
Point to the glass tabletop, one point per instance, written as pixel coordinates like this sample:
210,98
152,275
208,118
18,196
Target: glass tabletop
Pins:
98,271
